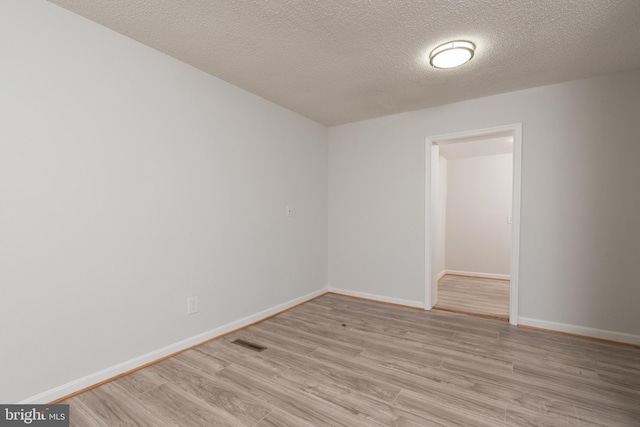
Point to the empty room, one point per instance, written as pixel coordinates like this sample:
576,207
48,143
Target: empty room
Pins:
237,213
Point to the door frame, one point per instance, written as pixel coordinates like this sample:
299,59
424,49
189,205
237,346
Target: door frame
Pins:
431,285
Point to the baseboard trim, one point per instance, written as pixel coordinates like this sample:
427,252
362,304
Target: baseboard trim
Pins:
581,331
377,298
476,274
90,381
442,274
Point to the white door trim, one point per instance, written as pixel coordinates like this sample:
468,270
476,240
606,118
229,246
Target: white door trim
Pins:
430,286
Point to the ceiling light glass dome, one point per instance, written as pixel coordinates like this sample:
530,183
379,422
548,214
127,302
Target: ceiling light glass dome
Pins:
452,54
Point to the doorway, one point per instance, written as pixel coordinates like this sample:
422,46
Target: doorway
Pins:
496,141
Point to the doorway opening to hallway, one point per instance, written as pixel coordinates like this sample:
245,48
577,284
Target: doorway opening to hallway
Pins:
473,201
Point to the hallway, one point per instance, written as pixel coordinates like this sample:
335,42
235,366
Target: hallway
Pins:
474,295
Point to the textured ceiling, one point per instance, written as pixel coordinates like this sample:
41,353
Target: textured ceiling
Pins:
339,61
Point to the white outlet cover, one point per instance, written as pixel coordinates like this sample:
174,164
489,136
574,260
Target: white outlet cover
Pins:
192,305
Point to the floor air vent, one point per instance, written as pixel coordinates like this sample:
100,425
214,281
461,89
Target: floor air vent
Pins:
250,345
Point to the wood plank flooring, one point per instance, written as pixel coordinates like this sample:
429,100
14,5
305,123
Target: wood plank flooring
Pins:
340,361
487,297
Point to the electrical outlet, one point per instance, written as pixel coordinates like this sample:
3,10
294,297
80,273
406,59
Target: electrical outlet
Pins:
192,305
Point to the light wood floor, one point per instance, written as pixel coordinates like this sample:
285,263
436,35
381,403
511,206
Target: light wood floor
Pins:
488,297
339,361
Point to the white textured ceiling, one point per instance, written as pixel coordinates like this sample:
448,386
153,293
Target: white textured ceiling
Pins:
338,61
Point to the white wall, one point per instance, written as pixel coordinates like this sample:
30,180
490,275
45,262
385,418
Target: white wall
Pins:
580,200
479,200
374,246
130,181
438,216
441,217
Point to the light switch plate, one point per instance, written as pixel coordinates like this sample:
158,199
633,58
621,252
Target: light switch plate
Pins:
192,305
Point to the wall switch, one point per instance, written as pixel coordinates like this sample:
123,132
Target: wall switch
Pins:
509,219
192,305
289,210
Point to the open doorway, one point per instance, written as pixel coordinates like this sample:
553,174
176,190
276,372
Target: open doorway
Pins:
474,254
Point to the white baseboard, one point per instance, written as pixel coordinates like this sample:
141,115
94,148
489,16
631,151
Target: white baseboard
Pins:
582,330
476,274
380,298
442,274
121,368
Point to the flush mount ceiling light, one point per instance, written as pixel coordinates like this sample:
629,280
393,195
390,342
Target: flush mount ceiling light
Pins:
452,54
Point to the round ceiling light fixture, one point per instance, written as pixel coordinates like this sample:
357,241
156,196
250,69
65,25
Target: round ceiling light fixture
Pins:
452,54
